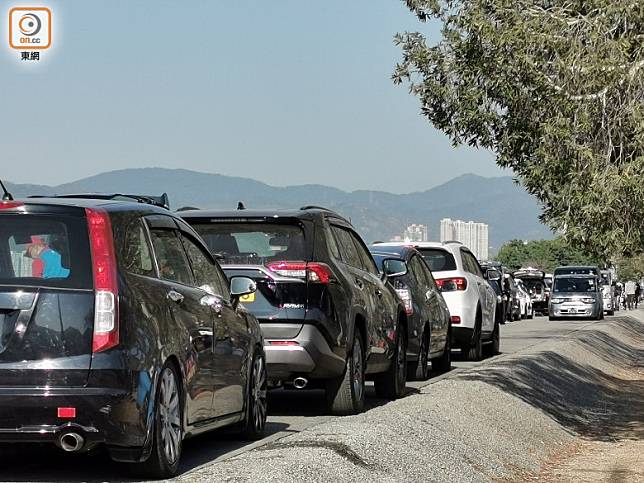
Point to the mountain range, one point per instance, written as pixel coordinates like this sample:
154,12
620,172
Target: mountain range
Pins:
508,209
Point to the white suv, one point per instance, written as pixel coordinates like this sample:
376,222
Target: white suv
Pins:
469,296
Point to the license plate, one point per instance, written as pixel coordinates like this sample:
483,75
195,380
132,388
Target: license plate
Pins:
247,299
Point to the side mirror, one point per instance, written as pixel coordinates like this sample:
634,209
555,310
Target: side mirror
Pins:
240,286
493,275
393,267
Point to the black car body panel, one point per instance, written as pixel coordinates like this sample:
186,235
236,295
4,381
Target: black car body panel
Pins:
428,309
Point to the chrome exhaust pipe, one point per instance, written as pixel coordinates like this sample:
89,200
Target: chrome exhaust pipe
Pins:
300,382
72,442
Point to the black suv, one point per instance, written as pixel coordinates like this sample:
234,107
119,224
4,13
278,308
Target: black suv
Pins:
118,327
429,329
328,316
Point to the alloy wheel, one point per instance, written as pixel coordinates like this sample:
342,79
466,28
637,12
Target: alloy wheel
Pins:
169,416
258,394
358,370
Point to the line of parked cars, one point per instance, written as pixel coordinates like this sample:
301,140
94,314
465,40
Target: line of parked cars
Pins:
128,325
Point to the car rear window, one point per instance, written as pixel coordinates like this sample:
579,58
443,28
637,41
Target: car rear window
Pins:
438,260
253,243
44,250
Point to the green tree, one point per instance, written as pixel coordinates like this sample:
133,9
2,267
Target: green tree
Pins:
555,89
630,268
543,254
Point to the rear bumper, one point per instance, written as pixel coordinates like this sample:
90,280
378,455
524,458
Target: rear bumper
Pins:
103,415
308,354
461,336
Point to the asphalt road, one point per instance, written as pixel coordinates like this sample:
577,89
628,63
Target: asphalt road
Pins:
290,411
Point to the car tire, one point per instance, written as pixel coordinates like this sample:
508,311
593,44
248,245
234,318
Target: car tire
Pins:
167,441
254,425
494,347
474,350
551,318
392,384
345,395
444,362
531,314
611,312
419,370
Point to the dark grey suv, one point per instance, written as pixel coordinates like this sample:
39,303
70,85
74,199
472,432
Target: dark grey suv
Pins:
328,316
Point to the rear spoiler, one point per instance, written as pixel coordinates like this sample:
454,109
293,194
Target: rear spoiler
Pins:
160,201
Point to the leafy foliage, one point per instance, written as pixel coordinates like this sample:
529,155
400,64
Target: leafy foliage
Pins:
543,254
631,268
556,90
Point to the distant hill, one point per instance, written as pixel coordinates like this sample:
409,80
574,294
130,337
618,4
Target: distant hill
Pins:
506,207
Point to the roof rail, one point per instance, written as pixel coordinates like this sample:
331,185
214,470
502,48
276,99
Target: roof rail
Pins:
160,201
314,207
452,241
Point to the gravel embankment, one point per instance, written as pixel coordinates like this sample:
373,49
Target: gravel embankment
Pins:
500,421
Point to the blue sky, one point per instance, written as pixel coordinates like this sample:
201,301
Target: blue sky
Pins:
283,91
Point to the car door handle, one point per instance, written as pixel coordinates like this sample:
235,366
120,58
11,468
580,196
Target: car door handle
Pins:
175,296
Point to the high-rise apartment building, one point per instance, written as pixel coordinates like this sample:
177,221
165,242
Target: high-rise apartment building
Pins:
416,233
473,235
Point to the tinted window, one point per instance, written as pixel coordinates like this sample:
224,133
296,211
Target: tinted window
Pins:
417,272
253,243
563,285
438,260
207,274
172,261
347,247
44,250
135,254
471,265
366,260
428,274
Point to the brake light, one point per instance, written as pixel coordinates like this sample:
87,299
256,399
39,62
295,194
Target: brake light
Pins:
452,284
312,271
455,319
106,324
405,296
10,204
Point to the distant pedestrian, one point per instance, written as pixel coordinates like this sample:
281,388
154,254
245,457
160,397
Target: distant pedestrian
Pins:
638,293
629,289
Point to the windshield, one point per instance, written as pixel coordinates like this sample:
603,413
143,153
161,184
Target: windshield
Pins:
438,260
253,243
576,285
44,250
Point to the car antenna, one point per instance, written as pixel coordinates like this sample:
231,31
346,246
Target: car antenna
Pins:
240,206
6,196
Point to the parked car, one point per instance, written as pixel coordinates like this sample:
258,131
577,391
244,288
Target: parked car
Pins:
576,295
428,319
328,316
471,301
608,292
525,300
534,281
120,328
496,282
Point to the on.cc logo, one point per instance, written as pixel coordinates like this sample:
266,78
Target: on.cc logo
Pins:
30,24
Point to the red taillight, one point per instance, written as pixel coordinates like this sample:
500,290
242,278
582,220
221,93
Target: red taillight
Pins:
67,413
455,319
311,271
451,284
106,324
10,204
